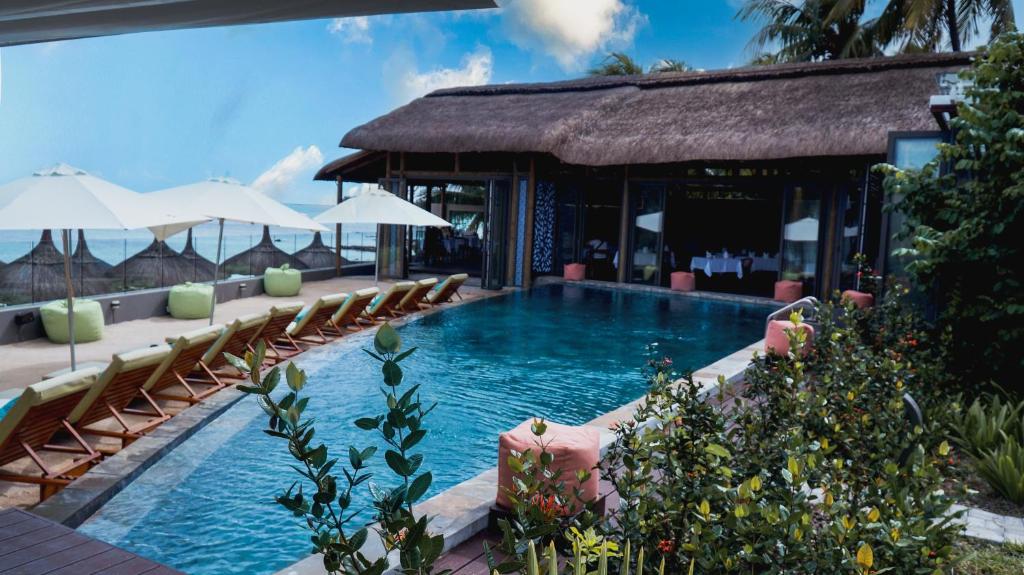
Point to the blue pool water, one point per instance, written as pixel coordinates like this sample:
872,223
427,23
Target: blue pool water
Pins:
565,353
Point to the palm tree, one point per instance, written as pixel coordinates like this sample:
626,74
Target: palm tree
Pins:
670,65
811,30
923,24
617,64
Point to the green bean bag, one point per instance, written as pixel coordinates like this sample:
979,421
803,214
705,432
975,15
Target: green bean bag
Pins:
190,301
282,281
88,321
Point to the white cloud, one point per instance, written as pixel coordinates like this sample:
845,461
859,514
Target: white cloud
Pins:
571,31
354,30
279,180
476,69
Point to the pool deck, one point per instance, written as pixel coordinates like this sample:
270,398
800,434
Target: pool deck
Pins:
31,545
27,362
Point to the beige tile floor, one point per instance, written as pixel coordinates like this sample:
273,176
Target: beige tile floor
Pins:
26,362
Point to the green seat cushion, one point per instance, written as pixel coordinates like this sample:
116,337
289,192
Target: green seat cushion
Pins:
190,301
88,321
282,282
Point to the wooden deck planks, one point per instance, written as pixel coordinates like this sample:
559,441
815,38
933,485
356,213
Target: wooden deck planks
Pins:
31,545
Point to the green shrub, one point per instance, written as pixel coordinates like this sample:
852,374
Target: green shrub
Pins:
1003,468
965,226
327,514
987,423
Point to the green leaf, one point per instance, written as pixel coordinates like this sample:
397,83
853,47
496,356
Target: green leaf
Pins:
718,450
237,362
392,373
387,340
397,463
419,486
367,423
296,377
413,438
405,354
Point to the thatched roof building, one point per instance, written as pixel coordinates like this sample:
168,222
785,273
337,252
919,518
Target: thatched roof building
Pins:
834,109
317,255
87,270
156,266
261,256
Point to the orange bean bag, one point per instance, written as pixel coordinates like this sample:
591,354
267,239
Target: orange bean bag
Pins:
860,299
776,340
788,291
683,281
573,448
574,272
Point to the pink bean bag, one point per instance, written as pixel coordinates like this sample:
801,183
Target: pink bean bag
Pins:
574,272
776,340
788,291
573,448
683,281
860,299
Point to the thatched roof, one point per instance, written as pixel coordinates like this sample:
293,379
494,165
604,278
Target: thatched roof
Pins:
35,276
156,266
838,108
317,255
203,268
258,258
89,272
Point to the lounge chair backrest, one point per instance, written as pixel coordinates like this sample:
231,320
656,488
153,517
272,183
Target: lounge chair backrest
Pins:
119,383
449,287
390,298
186,351
37,414
412,299
354,306
234,339
318,314
280,316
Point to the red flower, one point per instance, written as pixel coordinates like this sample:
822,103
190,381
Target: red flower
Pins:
667,546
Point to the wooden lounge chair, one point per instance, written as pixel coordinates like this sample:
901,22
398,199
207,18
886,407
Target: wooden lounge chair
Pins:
34,420
118,386
386,305
235,340
313,322
413,300
186,354
274,333
349,316
448,288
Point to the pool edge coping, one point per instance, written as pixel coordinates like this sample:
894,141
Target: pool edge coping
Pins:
462,511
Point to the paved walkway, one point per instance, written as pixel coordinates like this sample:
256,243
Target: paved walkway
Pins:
31,545
27,362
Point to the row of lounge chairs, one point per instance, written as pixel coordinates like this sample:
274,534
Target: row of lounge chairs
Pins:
67,414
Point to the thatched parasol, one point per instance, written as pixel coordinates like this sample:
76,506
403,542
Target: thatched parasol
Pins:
258,258
317,255
89,271
156,266
202,266
35,276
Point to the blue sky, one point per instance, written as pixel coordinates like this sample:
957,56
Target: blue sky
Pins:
269,103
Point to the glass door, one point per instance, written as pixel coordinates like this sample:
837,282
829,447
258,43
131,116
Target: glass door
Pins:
801,226
648,222
495,231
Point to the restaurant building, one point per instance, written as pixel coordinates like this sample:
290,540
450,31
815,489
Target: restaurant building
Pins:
742,176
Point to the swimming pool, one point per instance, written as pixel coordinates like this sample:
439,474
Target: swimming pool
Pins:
567,353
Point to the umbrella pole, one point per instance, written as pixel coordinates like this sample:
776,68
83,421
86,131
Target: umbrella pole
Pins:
216,268
376,259
66,236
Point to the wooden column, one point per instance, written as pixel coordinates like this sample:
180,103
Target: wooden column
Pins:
624,224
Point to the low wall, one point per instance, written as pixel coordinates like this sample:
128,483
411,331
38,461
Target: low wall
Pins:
126,306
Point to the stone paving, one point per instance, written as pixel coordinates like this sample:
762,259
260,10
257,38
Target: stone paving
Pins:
989,526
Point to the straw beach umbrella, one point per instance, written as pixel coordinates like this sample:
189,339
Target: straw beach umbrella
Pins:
90,270
379,207
227,199
37,275
156,266
261,256
202,266
317,255
67,198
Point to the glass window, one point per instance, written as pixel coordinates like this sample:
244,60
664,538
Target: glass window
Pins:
649,216
800,237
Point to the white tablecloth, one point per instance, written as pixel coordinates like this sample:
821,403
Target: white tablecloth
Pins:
732,265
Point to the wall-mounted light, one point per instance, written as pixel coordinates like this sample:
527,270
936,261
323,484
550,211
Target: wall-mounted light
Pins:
113,310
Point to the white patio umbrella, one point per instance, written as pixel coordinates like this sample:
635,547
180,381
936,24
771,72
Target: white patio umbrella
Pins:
379,207
228,199
68,198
